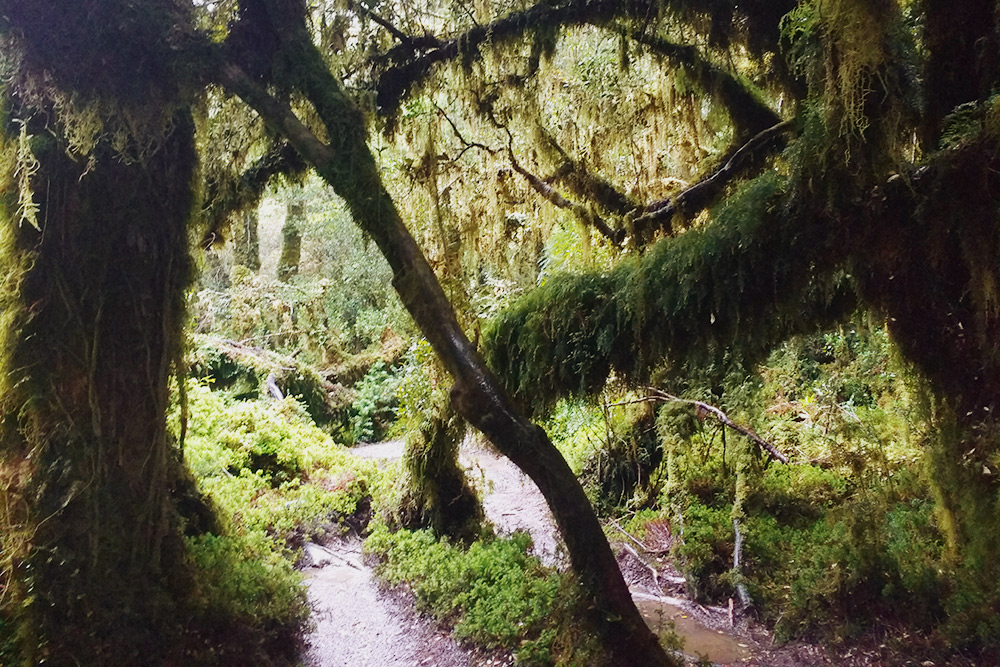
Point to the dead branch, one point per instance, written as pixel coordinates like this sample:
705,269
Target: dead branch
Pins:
653,570
705,408
636,540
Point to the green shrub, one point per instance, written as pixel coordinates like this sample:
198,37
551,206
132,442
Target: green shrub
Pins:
246,577
374,409
275,479
705,552
493,593
268,468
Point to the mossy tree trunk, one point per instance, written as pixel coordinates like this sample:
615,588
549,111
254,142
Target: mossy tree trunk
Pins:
437,494
93,314
291,237
246,240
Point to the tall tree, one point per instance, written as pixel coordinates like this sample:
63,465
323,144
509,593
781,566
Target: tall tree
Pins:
98,179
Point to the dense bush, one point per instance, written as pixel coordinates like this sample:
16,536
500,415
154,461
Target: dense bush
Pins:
492,592
275,480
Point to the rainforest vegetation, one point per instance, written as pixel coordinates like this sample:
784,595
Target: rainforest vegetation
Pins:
722,276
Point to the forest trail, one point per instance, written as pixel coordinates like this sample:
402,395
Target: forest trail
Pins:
359,624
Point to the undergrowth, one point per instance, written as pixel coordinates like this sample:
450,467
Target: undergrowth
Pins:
491,592
275,480
843,540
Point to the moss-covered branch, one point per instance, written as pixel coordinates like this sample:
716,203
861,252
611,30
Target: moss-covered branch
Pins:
230,195
409,64
643,221
582,213
705,192
755,23
756,274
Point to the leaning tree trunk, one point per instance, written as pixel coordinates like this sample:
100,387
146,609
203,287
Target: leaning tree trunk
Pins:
92,311
349,167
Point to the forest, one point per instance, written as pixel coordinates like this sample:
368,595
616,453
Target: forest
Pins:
720,279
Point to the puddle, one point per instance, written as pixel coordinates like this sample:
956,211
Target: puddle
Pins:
699,640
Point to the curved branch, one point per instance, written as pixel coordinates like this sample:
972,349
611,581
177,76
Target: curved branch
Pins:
701,195
658,215
404,67
748,113
225,198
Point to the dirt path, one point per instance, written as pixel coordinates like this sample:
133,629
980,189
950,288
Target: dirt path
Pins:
358,624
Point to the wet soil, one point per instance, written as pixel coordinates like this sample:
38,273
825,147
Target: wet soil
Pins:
357,623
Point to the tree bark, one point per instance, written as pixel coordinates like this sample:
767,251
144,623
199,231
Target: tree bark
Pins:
291,237
94,303
349,167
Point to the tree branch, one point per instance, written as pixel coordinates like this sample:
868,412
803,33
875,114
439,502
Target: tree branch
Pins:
389,27
466,145
703,193
587,216
705,408
403,67
225,198
584,182
748,113
659,214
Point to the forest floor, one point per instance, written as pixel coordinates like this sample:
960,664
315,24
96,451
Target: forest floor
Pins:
359,623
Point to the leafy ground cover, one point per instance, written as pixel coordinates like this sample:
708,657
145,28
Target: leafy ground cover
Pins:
275,480
840,545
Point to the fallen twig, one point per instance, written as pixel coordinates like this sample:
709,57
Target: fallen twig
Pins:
638,542
656,574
